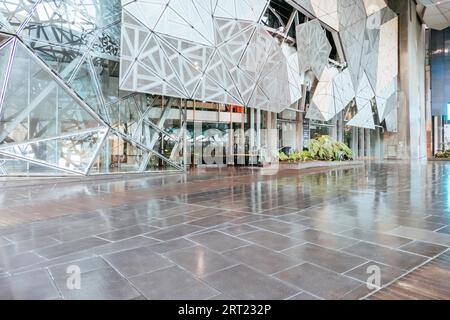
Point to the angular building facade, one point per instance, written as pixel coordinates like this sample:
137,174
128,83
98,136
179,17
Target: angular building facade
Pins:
93,87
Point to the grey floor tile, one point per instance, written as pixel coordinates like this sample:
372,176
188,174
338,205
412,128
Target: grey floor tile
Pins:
61,271
12,262
199,260
323,239
391,257
122,245
172,284
445,230
424,248
171,245
55,261
4,242
422,235
292,217
271,240
175,232
336,261
238,229
212,221
322,283
80,233
279,211
304,296
327,226
376,237
262,259
171,221
33,244
137,261
100,284
278,226
70,247
126,233
221,297
241,282
364,273
34,285
218,241
359,293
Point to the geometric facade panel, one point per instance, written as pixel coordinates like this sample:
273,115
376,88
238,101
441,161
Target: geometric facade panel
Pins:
436,14
313,47
205,50
368,32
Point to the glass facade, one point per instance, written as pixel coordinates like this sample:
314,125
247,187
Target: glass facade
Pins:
60,105
71,71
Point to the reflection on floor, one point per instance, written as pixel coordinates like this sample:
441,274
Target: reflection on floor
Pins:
230,234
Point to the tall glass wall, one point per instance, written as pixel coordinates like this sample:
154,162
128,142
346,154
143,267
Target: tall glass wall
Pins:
61,110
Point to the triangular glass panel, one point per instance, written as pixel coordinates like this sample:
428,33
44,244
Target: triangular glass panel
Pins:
36,106
63,60
5,54
14,13
118,155
71,153
16,167
107,75
86,86
125,116
156,164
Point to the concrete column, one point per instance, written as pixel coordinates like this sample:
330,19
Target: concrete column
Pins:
367,144
410,142
361,145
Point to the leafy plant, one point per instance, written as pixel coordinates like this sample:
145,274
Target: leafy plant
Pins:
327,149
305,156
282,156
293,157
442,154
323,148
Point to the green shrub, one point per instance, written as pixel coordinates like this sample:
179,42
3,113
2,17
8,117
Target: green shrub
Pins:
322,149
293,157
442,154
326,149
305,156
282,156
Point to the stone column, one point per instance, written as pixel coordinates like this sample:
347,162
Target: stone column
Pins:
410,142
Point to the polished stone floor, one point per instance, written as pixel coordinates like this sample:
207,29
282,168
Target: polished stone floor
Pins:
225,234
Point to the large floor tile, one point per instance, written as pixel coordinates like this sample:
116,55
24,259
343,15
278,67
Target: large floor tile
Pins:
320,282
278,226
172,284
243,283
126,233
218,241
334,260
422,235
323,239
365,273
137,261
34,285
393,258
199,260
71,247
100,284
376,237
271,240
173,232
424,248
262,259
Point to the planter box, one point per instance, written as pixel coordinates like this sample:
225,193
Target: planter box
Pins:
319,164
